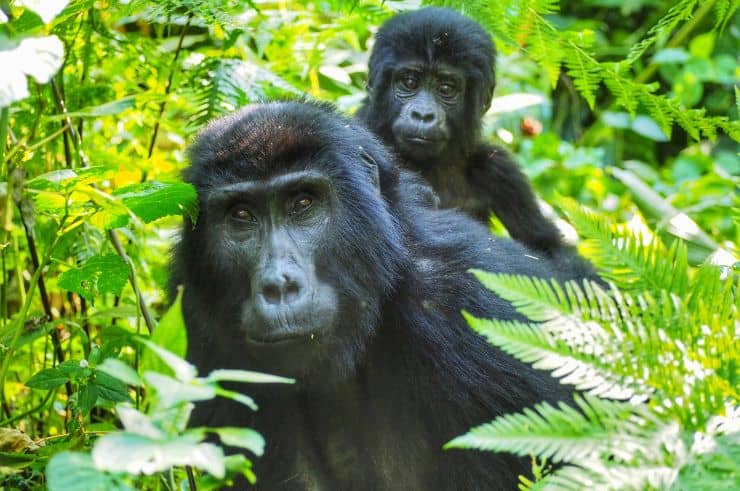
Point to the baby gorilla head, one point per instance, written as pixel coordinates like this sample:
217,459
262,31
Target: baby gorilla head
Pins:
294,248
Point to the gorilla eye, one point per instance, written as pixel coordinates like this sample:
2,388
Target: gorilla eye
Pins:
409,82
302,204
242,214
447,89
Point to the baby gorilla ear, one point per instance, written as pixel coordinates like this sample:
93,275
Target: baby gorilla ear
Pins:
370,162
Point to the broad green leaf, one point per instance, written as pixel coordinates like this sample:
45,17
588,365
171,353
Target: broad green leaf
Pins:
51,378
170,334
184,371
242,438
75,471
138,423
171,391
119,370
98,275
111,388
152,200
136,454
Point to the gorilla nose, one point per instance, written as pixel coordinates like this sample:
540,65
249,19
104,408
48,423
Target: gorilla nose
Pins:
423,116
280,288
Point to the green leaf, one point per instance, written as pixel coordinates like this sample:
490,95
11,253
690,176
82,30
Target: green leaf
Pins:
170,334
184,371
136,454
98,275
246,376
87,397
171,391
111,388
51,378
119,370
48,378
107,109
242,438
153,200
75,471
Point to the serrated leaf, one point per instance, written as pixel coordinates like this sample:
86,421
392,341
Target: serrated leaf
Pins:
153,200
51,378
111,388
98,275
75,471
242,438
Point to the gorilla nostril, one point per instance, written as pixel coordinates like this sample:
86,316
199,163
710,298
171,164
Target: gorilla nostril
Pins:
292,291
271,293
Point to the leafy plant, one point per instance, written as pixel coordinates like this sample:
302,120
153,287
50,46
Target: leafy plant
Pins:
655,358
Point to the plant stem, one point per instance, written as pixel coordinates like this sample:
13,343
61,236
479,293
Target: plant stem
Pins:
132,280
20,321
168,87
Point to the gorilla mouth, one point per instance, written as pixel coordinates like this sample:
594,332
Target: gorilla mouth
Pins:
422,140
282,338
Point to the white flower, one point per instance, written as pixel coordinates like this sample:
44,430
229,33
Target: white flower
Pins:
38,57
46,9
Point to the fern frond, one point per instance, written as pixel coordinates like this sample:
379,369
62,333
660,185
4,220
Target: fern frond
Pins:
624,256
724,10
679,12
595,474
533,343
582,68
226,84
564,433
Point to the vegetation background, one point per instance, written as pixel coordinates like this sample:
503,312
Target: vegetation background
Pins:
628,108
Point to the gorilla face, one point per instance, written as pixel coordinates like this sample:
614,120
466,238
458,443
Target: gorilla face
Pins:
428,101
295,248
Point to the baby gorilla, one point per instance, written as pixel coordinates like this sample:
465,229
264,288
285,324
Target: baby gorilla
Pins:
307,260
431,79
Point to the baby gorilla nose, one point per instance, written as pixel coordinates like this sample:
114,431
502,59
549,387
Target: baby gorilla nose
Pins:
281,289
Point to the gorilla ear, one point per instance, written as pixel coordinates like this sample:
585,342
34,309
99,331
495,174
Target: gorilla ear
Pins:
370,162
486,98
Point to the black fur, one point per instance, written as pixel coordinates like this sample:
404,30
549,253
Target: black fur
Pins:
402,373
466,172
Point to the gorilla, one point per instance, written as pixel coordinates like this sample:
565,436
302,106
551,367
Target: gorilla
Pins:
431,80
308,260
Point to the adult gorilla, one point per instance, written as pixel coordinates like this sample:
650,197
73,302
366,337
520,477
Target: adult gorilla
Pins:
431,79
308,261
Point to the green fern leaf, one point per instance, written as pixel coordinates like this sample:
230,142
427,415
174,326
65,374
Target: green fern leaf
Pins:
679,12
534,344
627,258
564,433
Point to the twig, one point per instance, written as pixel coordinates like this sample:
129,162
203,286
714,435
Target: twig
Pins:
132,279
168,86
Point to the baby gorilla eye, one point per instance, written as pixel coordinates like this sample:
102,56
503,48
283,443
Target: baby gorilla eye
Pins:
301,204
242,214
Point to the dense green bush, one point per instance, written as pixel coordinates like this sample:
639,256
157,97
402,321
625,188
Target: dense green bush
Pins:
629,107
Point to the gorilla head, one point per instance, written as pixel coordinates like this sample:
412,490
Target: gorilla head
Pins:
294,241
433,72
